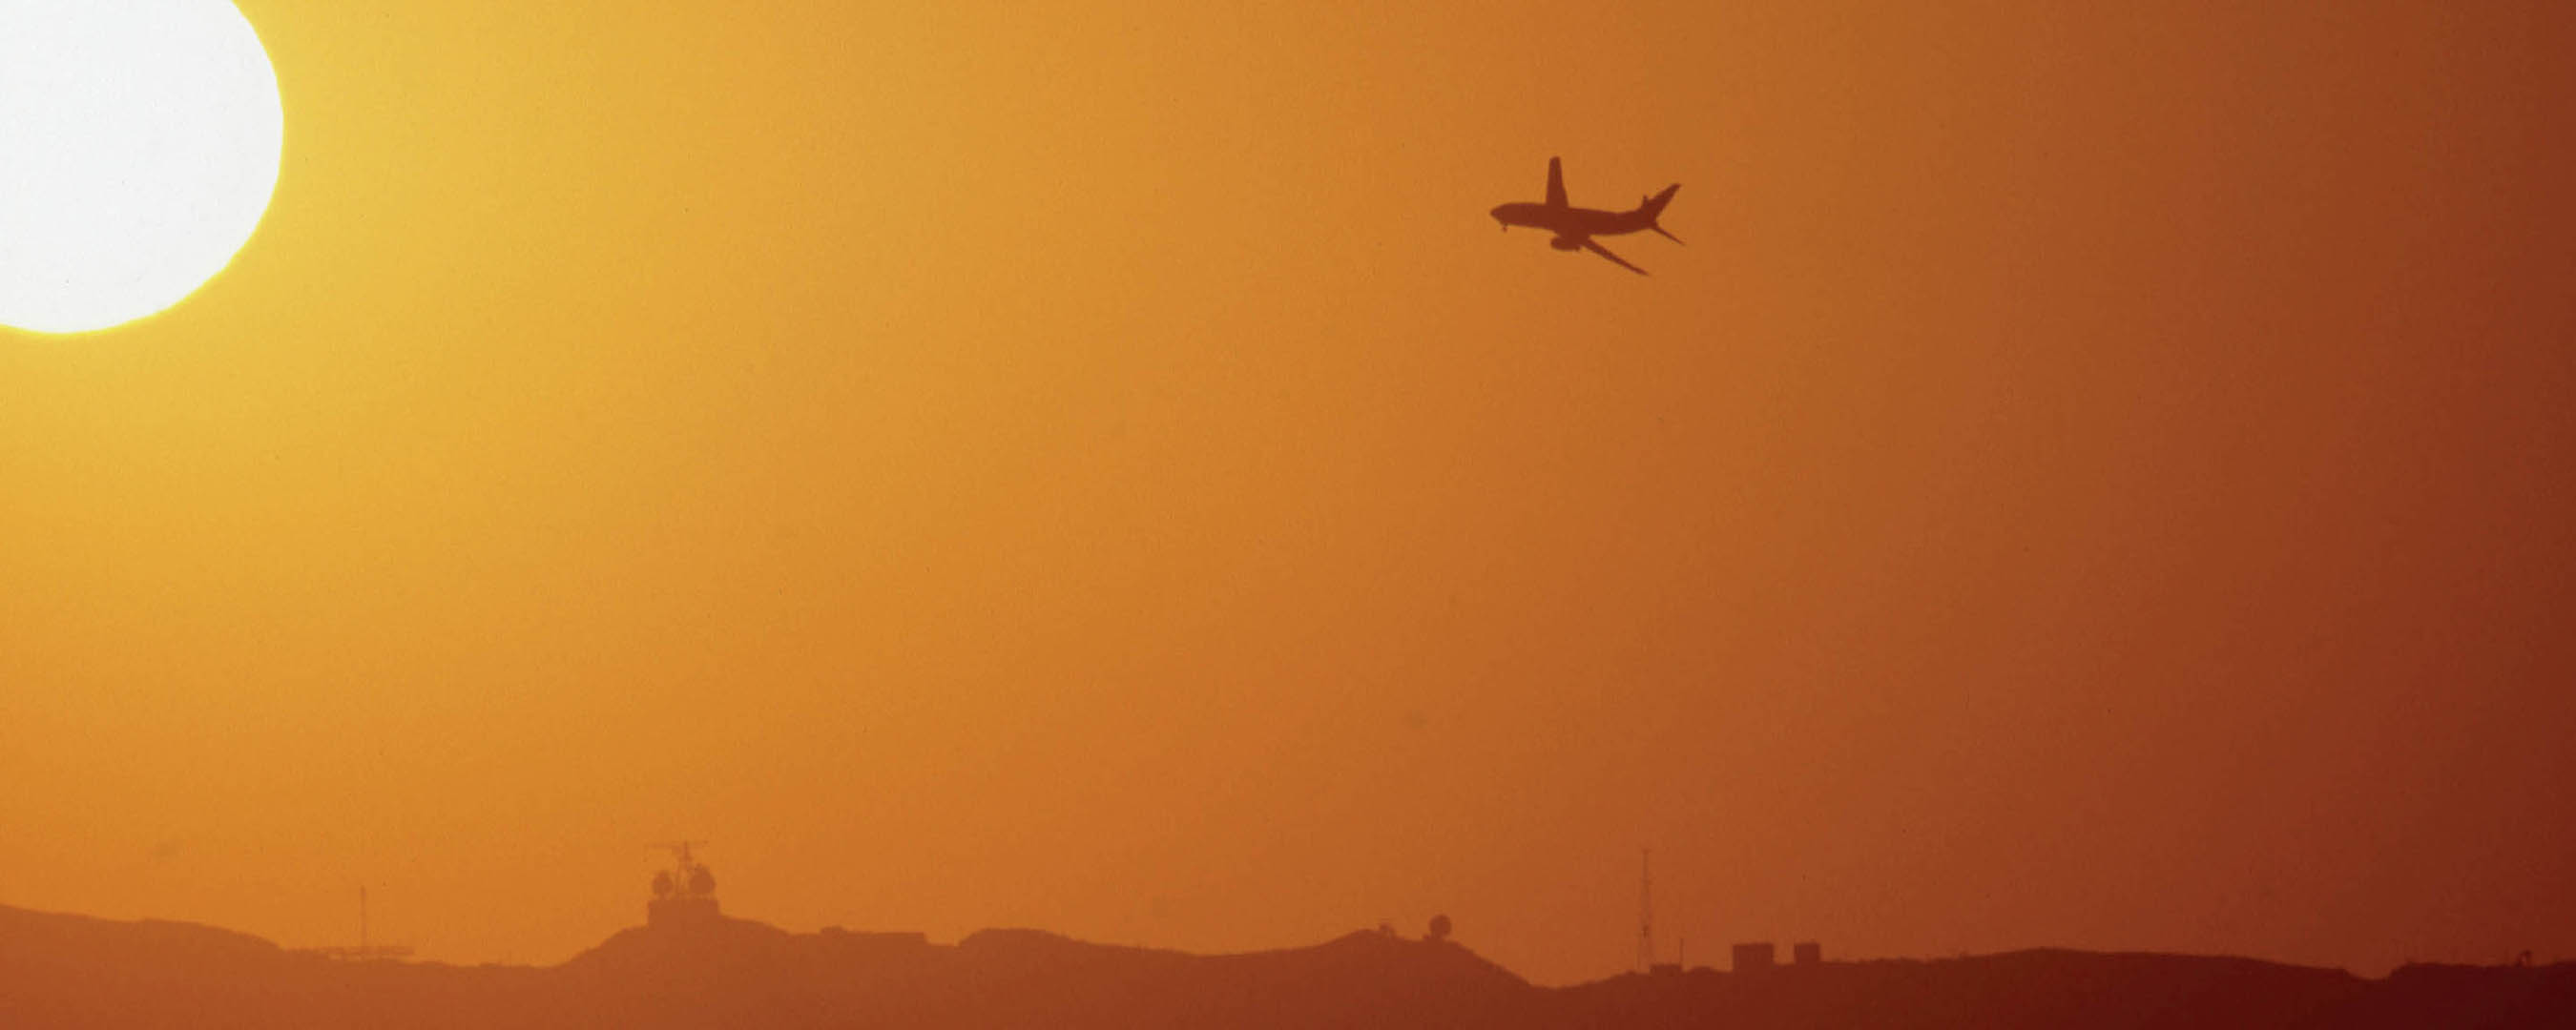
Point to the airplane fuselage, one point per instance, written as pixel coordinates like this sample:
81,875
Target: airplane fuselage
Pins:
1573,222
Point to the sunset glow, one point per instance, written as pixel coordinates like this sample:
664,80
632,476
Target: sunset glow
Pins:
2095,475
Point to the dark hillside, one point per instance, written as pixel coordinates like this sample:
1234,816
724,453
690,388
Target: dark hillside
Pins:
70,971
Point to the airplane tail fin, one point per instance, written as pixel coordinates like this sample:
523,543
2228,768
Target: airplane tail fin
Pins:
1653,208
1654,205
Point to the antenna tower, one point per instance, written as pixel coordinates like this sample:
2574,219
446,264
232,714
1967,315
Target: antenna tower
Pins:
1646,910
365,951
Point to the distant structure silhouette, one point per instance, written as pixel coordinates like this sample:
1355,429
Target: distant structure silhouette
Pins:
1439,930
1756,957
1645,908
1807,953
363,952
685,894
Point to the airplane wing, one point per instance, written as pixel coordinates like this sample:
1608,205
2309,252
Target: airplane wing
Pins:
1555,184
1614,258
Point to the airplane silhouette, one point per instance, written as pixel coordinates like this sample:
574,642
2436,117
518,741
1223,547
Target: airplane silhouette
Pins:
1576,226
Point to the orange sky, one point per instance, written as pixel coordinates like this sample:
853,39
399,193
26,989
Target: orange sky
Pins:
2095,478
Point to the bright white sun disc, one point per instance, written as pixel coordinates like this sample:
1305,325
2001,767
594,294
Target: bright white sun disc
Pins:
139,144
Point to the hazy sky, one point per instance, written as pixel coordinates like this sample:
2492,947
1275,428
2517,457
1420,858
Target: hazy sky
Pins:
2099,475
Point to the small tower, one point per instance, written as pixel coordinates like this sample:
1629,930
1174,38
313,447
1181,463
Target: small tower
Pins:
1646,910
685,894
363,952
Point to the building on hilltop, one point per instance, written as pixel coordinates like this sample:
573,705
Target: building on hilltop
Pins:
683,895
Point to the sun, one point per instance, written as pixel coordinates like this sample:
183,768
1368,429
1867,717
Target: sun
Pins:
139,145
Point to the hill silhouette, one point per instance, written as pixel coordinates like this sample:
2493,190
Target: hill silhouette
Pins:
75,971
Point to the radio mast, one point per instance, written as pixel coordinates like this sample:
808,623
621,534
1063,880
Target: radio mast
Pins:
1646,910
366,951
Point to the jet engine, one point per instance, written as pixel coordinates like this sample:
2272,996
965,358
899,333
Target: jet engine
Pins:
1562,243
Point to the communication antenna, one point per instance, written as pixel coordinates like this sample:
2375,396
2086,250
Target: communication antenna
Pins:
680,848
1646,910
365,951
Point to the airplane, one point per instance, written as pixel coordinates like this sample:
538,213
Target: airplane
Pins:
1576,226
